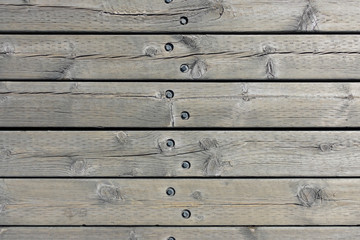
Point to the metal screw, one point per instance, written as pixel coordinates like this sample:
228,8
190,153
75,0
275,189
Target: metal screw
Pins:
184,68
186,214
171,238
185,165
185,115
170,191
184,20
169,94
168,1
170,143
169,47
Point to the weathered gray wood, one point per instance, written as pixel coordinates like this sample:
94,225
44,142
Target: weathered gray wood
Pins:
131,104
103,57
210,201
189,233
203,15
210,153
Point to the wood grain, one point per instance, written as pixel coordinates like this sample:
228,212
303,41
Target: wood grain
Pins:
130,104
220,57
181,233
210,201
210,153
203,15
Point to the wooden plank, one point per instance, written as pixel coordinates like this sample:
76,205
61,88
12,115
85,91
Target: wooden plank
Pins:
210,153
130,104
229,57
189,233
210,201
203,15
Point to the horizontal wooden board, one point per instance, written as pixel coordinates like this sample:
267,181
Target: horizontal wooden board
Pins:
129,57
210,153
203,15
210,201
179,233
131,104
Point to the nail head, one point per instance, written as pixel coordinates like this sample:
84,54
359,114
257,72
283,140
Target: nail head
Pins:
169,94
186,165
186,214
170,143
184,20
169,47
170,191
184,68
185,115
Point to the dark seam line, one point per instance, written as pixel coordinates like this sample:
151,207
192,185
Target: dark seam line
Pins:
170,226
189,129
182,177
64,32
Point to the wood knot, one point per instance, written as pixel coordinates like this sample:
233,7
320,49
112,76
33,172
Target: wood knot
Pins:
197,195
150,51
308,20
72,212
190,42
5,153
198,69
308,195
121,137
213,164
7,49
74,87
109,193
326,147
79,167
268,49
208,143
270,69
133,236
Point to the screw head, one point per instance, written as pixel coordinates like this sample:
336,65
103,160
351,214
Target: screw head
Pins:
186,165
185,115
170,143
169,47
168,1
170,191
184,68
186,214
184,20
169,94
171,238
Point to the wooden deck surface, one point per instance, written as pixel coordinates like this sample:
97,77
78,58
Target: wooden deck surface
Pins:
179,119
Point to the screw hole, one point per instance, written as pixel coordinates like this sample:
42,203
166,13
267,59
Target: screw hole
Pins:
170,143
170,191
168,1
169,94
186,214
184,20
184,68
186,165
171,238
185,115
169,47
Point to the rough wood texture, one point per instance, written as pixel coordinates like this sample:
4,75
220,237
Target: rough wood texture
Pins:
103,57
210,201
84,104
203,15
181,233
210,153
